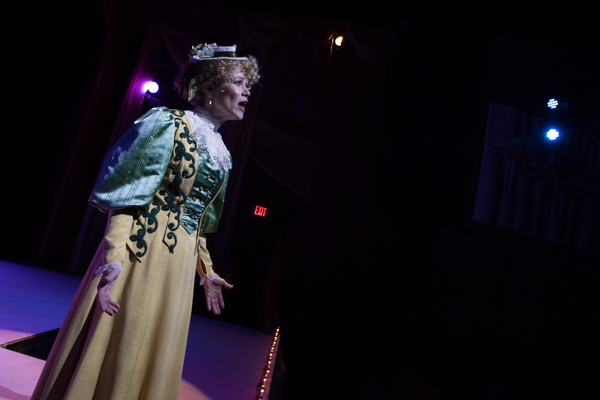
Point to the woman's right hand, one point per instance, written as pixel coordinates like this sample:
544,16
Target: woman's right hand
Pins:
103,299
212,289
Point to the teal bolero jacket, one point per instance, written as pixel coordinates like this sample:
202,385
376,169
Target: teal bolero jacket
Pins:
157,168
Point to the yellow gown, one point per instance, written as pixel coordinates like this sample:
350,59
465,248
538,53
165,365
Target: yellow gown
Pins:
138,353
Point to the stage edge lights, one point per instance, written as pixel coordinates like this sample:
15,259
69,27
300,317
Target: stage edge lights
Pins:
552,134
262,385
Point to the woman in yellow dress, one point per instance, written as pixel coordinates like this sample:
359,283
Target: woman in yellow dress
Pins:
163,185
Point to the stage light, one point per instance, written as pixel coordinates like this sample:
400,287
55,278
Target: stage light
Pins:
151,87
552,134
552,103
338,40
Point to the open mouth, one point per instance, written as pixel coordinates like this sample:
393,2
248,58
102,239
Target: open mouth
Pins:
242,105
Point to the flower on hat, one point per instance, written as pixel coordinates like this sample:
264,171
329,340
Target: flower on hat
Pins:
203,50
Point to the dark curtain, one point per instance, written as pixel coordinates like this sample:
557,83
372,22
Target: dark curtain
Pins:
312,123
538,187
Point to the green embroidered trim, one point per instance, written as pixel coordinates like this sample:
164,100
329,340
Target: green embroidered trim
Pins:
181,153
171,235
152,220
180,148
174,190
139,238
170,194
186,131
177,113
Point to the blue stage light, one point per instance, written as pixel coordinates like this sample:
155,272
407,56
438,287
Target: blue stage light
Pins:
552,103
151,87
552,134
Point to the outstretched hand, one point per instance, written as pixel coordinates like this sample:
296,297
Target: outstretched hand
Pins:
103,299
212,289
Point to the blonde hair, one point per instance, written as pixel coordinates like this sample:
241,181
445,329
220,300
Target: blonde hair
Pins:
218,72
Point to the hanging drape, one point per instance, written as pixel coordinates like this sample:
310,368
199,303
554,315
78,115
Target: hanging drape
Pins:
298,126
537,187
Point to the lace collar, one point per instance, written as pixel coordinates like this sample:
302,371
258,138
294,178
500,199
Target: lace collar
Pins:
207,138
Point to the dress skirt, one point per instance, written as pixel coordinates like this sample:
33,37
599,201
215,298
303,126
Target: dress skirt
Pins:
137,353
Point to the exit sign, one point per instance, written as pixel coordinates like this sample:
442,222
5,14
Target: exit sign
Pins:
260,211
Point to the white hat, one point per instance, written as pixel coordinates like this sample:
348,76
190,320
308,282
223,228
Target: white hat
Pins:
205,52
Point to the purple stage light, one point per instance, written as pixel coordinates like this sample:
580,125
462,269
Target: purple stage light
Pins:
150,86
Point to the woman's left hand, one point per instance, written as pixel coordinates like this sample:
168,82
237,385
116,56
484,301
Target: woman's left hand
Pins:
103,299
212,289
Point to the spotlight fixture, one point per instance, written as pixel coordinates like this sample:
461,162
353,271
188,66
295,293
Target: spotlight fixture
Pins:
563,103
552,103
552,134
151,87
338,40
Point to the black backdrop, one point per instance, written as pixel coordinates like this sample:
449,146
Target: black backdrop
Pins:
407,297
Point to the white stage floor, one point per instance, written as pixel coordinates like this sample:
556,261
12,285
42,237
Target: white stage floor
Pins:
223,361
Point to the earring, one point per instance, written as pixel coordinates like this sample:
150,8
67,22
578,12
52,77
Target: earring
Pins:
210,102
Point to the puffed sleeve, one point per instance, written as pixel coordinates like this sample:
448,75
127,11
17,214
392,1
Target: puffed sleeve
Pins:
136,165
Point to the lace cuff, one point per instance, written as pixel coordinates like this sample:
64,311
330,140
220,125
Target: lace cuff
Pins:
100,271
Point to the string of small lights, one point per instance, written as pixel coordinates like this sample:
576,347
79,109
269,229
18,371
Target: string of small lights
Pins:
262,385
